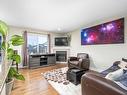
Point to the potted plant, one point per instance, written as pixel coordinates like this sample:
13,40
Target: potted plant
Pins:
7,47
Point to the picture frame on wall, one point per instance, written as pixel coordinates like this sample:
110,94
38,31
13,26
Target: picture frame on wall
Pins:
107,33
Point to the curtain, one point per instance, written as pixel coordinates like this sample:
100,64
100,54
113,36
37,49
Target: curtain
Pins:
49,39
25,51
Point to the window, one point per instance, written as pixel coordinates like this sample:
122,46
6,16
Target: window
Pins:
37,43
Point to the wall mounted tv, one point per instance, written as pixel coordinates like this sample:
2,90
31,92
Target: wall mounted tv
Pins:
107,33
61,41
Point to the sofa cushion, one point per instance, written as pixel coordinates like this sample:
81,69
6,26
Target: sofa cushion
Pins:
110,69
122,64
74,62
123,79
114,75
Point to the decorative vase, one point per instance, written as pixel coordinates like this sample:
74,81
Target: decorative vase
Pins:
9,86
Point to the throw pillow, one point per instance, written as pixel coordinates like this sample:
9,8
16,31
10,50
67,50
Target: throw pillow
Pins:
122,64
122,80
123,59
114,75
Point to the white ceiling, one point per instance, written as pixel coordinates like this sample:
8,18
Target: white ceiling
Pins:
59,15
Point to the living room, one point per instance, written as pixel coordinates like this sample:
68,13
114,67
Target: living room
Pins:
50,33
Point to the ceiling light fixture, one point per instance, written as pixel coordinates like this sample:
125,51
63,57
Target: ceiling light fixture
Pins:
59,29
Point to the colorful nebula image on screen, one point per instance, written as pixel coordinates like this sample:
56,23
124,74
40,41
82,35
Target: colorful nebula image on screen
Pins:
106,33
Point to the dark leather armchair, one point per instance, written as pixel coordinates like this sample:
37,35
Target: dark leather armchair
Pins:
81,61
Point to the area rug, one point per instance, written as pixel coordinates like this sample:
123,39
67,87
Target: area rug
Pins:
57,78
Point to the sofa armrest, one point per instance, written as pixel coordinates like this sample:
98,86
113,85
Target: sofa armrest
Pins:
116,63
95,84
86,63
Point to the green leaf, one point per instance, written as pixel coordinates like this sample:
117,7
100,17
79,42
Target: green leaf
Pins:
17,58
10,50
4,45
19,77
14,74
15,37
3,28
10,53
17,40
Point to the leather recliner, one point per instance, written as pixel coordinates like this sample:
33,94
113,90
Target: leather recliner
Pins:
82,61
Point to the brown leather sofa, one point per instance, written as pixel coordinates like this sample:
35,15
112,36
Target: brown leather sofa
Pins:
93,83
81,61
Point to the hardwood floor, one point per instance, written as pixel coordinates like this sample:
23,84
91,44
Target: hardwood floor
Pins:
35,83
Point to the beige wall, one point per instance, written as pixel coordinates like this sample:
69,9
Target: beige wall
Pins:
19,31
102,56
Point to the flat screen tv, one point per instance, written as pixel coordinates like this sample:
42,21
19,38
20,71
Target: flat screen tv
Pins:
107,33
61,41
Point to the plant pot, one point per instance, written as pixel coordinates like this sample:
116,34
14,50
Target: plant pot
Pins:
9,86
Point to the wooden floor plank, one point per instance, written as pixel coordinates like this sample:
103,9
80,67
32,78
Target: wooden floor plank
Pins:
35,83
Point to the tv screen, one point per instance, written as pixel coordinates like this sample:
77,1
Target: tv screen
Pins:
106,33
61,41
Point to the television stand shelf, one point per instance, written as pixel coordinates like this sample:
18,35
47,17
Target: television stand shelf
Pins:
41,60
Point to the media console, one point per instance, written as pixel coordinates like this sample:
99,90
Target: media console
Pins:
40,60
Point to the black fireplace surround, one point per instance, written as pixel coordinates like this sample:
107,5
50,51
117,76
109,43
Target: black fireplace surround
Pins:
61,56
